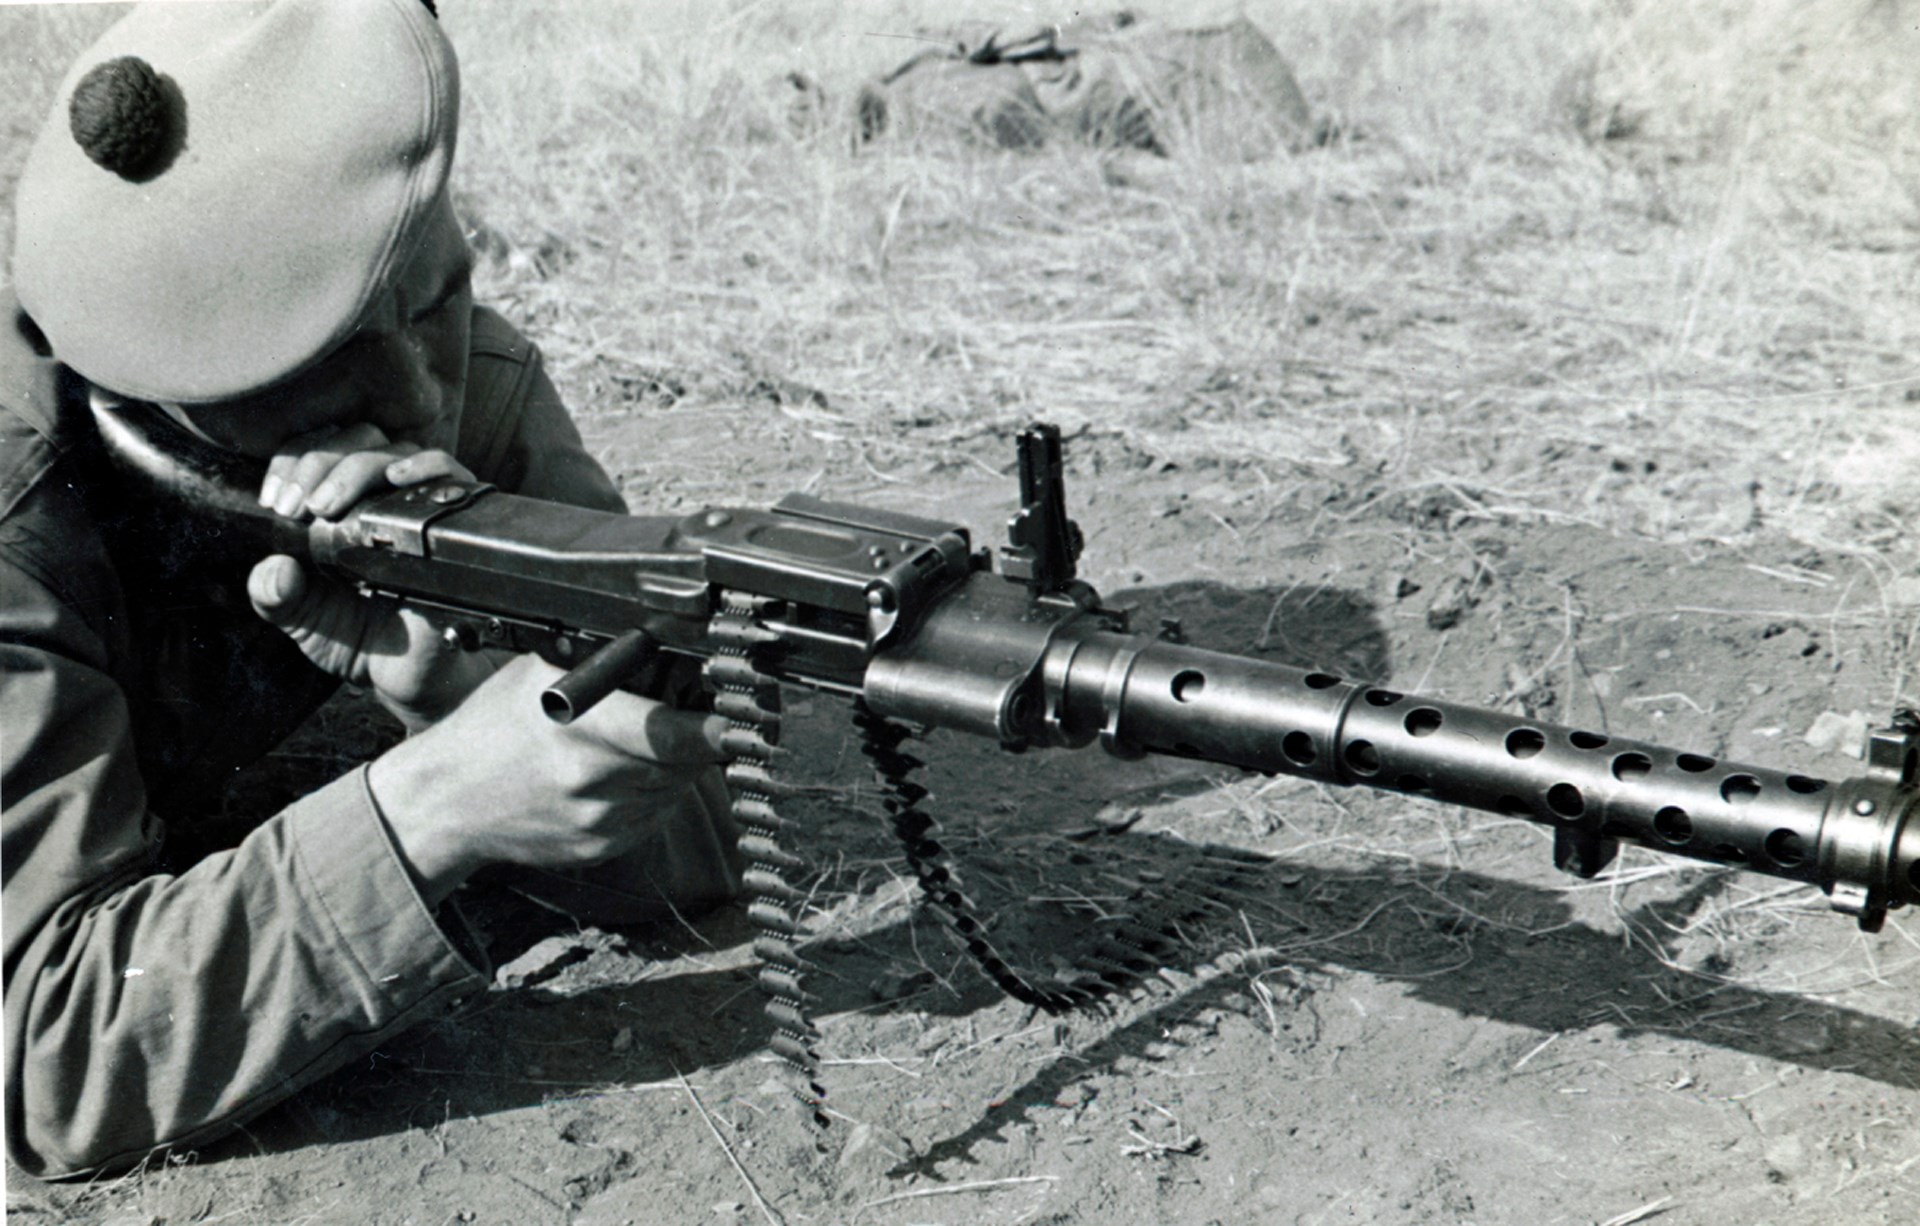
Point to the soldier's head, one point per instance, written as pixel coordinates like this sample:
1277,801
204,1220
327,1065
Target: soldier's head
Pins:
240,211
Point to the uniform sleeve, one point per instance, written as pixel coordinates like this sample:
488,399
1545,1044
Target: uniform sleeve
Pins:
125,988
516,432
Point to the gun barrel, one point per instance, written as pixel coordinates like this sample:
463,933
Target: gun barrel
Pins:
1857,838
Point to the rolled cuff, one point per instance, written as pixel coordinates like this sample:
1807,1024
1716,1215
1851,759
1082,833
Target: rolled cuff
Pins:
410,959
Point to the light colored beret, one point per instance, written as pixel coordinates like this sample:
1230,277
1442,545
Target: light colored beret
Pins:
243,195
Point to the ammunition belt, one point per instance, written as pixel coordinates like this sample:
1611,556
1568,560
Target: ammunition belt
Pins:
750,700
1129,948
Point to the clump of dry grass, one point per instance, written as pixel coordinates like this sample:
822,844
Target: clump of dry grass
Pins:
1812,99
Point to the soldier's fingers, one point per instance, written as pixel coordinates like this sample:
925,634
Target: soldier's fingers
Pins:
424,466
301,465
277,587
280,467
655,732
351,478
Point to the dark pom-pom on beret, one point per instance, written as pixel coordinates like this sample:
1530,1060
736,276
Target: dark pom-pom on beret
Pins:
120,117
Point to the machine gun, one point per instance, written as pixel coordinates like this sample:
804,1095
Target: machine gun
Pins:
905,618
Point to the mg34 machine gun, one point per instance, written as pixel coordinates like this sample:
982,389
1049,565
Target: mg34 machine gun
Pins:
916,627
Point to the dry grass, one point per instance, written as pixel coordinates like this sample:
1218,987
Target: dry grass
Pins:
1726,292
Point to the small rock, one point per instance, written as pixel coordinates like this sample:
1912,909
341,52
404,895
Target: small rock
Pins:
859,1141
1834,732
1808,1034
1450,604
729,1208
1786,1154
868,1153
933,1040
1076,1094
542,961
622,1039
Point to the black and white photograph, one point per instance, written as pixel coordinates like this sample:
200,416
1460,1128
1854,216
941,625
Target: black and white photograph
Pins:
785,613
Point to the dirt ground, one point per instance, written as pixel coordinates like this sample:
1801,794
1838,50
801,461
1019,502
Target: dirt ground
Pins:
1624,513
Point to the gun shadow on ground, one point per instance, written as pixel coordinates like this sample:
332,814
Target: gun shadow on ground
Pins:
1477,945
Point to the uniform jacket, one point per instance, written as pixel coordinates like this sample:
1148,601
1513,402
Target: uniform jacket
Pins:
132,685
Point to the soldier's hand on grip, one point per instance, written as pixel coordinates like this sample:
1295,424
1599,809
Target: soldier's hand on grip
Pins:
497,782
400,654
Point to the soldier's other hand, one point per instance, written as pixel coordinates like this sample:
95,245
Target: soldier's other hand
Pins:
325,472
415,672
496,781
